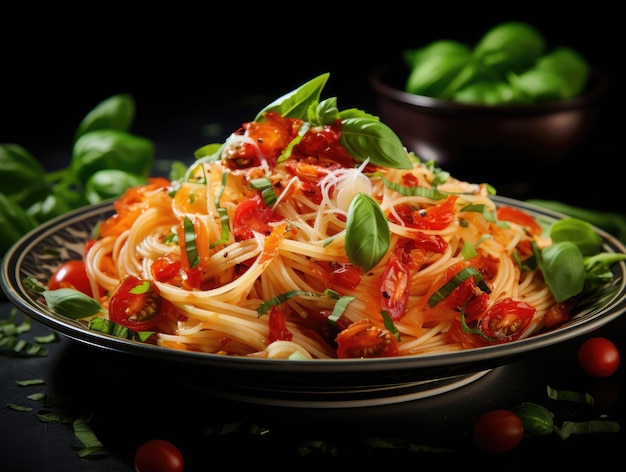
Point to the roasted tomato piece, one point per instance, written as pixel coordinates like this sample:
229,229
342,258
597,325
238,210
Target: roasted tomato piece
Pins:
396,284
269,138
278,326
520,217
363,339
341,275
433,218
136,304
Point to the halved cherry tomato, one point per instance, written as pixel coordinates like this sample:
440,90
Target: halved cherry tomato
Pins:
396,284
520,217
136,304
158,455
253,215
363,339
71,274
599,357
435,217
498,431
507,319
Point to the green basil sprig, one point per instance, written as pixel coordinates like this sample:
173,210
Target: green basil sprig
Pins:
362,134
367,232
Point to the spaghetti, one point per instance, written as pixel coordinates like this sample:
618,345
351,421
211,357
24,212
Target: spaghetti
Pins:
287,241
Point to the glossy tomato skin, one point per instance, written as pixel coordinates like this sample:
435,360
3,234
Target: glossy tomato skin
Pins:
498,431
136,304
158,455
71,274
599,357
364,340
507,319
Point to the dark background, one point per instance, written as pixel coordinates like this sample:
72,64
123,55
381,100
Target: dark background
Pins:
197,70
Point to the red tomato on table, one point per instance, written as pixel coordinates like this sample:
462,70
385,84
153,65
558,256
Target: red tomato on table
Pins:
498,431
158,455
599,357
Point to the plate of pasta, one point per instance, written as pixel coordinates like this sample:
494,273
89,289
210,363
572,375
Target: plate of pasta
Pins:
311,260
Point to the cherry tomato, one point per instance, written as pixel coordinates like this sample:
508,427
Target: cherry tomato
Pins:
363,339
599,357
507,319
158,455
71,274
253,215
136,304
498,431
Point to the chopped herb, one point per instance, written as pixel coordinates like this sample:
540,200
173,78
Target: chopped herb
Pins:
570,396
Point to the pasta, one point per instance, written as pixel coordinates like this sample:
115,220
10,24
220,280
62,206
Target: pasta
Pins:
280,243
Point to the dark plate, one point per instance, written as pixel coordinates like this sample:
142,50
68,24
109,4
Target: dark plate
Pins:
303,383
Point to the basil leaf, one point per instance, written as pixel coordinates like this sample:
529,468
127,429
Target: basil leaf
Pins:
71,303
116,112
296,103
412,191
511,45
367,232
19,169
110,183
537,420
563,270
190,243
579,232
369,138
111,149
326,113
281,298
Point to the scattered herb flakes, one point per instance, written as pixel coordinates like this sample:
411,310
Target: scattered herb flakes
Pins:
25,383
307,447
397,443
15,407
568,395
586,427
51,417
87,437
13,342
41,398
